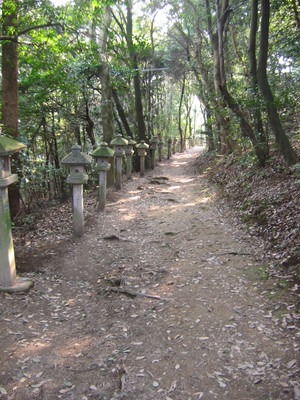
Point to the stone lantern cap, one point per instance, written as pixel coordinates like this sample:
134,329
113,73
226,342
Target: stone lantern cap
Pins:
77,162
76,157
131,142
170,140
142,145
142,148
103,151
129,149
119,144
119,141
104,166
153,143
9,146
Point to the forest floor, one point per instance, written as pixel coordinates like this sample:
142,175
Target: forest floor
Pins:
166,296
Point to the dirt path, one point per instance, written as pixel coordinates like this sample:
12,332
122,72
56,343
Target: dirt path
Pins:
219,329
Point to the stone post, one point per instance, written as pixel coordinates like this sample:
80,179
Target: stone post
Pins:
103,154
169,148
77,162
153,147
174,145
9,282
119,144
160,147
142,152
129,153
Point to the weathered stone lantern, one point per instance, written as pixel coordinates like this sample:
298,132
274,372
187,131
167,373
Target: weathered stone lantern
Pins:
169,148
129,153
153,147
119,144
160,147
103,156
9,282
77,161
142,152
174,145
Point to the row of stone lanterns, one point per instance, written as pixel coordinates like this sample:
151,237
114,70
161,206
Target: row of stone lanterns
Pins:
77,162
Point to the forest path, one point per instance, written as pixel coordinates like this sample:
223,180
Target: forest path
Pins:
217,329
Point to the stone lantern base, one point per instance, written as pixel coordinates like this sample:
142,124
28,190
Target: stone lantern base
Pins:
20,285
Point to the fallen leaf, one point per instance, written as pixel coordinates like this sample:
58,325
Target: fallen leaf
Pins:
3,390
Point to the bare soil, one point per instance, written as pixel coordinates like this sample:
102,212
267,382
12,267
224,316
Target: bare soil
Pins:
165,297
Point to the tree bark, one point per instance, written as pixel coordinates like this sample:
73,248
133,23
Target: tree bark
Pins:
281,138
121,113
136,78
223,121
106,91
10,89
179,116
262,138
89,125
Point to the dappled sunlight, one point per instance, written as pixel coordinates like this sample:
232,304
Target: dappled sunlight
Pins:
29,348
207,199
186,180
178,164
128,215
182,207
75,347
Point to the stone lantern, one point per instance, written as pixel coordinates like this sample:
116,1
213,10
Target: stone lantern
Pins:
169,148
119,144
9,282
129,153
160,147
174,145
103,154
142,152
77,161
153,147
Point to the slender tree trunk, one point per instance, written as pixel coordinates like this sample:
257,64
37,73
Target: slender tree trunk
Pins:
136,79
121,112
281,138
47,163
223,121
179,116
208,129
89,125
254,83
245,127
106,91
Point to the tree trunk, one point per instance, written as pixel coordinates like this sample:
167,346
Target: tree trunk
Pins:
254,83
208,129
89,125
106,91
9,72
10,90
223,121
47,163
121,113
179,116
136,79
281,138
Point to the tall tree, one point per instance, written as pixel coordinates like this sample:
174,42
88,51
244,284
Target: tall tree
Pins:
281,138
136,77
10,85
